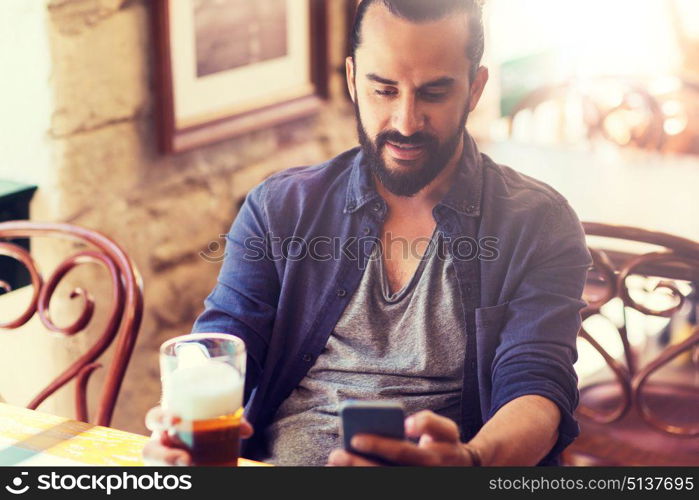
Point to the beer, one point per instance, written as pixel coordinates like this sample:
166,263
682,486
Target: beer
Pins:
210,442
203,380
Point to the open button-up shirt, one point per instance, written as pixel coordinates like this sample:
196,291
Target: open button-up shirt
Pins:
296,253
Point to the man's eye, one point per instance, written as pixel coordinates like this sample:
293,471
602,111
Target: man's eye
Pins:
385,92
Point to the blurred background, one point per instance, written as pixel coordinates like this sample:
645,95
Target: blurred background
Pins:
116,119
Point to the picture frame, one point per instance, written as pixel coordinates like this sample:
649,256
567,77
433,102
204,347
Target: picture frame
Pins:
230,67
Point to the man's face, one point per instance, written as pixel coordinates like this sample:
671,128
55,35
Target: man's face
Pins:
410,88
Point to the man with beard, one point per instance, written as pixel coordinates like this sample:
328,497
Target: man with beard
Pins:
473,328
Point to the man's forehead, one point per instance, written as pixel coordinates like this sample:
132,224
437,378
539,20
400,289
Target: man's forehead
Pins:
435,48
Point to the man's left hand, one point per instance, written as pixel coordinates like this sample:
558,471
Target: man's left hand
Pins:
438,445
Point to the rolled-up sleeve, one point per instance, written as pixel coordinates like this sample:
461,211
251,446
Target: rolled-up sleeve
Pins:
537,347
244,300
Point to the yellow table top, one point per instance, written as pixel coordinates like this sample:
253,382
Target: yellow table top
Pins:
30,437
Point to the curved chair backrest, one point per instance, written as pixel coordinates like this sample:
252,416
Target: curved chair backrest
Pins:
124,315
676,260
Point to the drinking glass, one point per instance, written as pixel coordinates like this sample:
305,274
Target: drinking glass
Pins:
203,378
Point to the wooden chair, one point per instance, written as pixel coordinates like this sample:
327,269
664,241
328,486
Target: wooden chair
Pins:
124,315
648,413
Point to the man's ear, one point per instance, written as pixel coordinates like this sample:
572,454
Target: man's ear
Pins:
349,73
477,86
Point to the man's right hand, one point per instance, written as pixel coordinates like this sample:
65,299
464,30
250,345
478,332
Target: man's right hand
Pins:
159,450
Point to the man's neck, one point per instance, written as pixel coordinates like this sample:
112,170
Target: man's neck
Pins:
426,199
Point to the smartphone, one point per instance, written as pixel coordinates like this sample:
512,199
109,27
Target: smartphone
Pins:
382,418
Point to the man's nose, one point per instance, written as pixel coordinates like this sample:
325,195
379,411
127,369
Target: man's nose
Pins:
407,117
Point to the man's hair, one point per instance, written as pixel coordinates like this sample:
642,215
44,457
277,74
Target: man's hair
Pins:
429,10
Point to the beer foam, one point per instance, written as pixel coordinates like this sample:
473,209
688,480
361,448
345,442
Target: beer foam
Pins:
203,390
190,354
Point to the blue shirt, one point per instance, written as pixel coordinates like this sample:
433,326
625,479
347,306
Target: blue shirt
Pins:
296,253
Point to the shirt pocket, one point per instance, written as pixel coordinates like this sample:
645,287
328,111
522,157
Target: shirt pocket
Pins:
492,317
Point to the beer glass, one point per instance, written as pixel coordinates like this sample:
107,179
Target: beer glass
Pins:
203,376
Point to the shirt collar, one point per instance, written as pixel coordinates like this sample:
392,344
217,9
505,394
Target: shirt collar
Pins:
360,189
464,196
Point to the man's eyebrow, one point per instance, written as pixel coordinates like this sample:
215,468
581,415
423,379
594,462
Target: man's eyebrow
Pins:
445,81
378,79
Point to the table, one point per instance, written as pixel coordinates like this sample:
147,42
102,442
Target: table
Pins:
32,438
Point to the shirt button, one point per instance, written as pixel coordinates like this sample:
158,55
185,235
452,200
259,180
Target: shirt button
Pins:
341,292
376,207
471,208
351,206
367,230
307,358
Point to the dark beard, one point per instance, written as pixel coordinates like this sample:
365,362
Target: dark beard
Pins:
408,183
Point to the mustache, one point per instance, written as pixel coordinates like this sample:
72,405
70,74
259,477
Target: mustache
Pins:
417,139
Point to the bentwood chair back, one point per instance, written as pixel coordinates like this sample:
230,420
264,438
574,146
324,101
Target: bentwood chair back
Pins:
124,317
639,351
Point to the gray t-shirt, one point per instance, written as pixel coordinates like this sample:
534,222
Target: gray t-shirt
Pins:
408,346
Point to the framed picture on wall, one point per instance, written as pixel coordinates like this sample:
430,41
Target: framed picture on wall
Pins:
228,67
